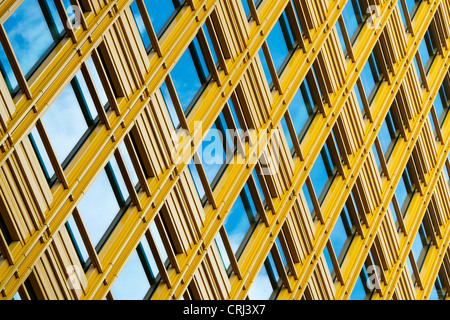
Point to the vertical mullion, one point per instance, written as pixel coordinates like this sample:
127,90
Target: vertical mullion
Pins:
65,18
94,95
81,17
232,125
415,270
272,70
4,249
314,200
293,134
382,159
364,100
149,27
265,187
126,177
105,82
297,32
176,103
137,165
253,11
20,77
280,267
166,242
335,154
159,263
204,180
230,253
422,72
287,254
208,55
335,262
257,200
398,213
407,17
315,92
51,153
86,240
347,41
215,41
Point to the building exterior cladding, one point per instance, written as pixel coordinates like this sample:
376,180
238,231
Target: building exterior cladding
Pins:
337,187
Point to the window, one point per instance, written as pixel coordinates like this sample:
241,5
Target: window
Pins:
241,221
388,135
160,13
342,235
371,76
405,191
353,18
428,49
192,73
322,173
413,5
441,103
33,30
422,243
362,289
302,109
217,150
267,283
103,204
281,42
141,273
439,291
69,121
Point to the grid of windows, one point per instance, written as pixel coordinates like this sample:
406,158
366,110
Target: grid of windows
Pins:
185,211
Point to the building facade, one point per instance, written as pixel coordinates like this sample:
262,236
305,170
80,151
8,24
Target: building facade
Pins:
224,149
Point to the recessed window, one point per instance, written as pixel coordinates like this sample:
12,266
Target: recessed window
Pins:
161,14
342,235
190,75
371,76
267,282
413,5
422,243
302,109
281,42
140,275
322,172
404,191
241,221
428,49
388,134
103,204
353,18
361,290
69,121
32,20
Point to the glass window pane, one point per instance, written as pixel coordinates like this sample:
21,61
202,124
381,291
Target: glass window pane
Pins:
132,282
98,207
65,123
29,34
261,288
